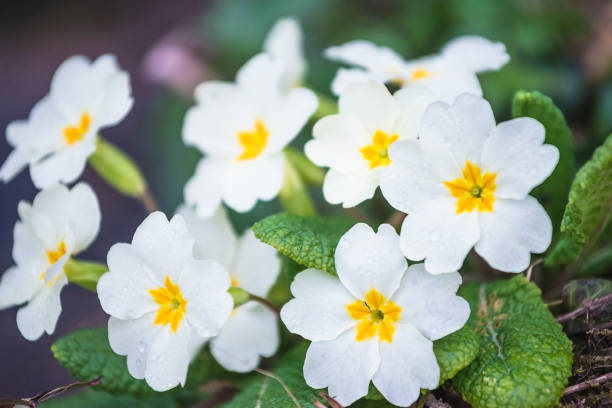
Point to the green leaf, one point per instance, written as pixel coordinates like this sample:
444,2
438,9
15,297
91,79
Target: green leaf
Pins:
456,351
552,194
117,169
98,399
525,358
308,240
87,355
598,264
84,273
267,392
588,208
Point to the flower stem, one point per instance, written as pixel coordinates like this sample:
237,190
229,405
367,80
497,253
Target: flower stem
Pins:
148,201
265,302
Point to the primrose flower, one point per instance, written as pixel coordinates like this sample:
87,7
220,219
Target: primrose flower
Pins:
376,322
285,43
465,183
58,224
252,329
354,142
60,133
163,303
447,74
242,128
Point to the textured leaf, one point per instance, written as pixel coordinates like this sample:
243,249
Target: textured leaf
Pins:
97,399
525,358
588,208
308,240
598,264
456,351
87,355
266,392
552,194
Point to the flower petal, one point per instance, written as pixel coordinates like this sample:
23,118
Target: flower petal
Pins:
204,286
367,55
343,365
372,104
345,77
251,333
406,365
513,230
168,359
289,118
65,165
413,101
462,127
203,190
261,79
124,290
475,54
436,233
285,42
430,303
515,151
41,313
350,189
336,143
257,265
164,245
84,215
366,260
133,338
213,124
214,236
318,311
17,286
50,214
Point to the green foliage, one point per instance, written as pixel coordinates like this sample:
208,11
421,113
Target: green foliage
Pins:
87,355
579,290
293,195
588,208
84,273
553,193
308,240
117,169
456,351
308,171
266,392
98,399
525,358
599,264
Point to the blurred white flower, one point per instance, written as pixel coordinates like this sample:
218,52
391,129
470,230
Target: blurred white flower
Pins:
465,183
242,129
354,142
59,223
163,302
447,74
376,322
60,133
285,43
252,330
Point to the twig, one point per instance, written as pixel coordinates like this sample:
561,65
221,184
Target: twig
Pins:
332,402
148,201
588,305
396,219
432,402
553,303
282,383
265,302
33,402
595,382
530,269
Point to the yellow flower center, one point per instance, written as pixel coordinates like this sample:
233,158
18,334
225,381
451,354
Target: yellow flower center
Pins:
253,141
419,73
376,153
171,304
375,315
474,190
76,133
53,257
234,282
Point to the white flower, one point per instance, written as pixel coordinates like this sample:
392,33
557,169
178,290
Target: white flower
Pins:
242,128
377,322
252,330
354,142
465,183
285,43
447,74
163,303
59,223
60,133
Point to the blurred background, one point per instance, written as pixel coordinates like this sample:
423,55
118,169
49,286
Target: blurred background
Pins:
558,47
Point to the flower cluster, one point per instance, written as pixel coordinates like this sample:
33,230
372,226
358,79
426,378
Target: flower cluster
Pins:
432,146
